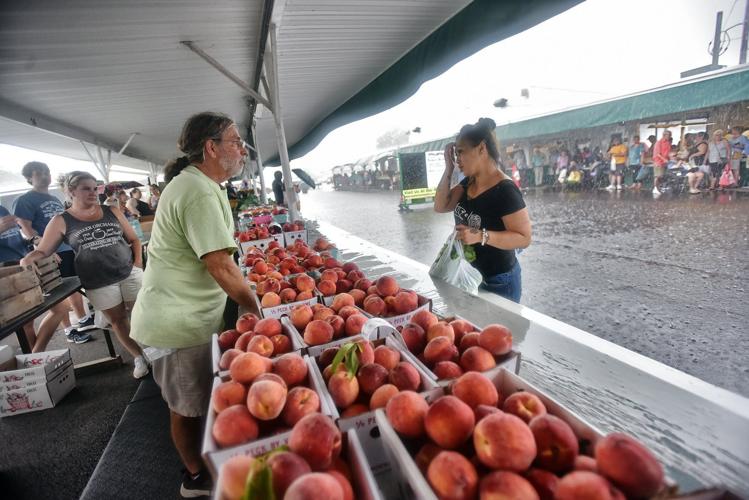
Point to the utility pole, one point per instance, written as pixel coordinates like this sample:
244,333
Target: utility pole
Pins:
715,52
744,35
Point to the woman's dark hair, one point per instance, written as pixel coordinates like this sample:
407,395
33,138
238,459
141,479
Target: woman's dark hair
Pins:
196,131
31,167
481,131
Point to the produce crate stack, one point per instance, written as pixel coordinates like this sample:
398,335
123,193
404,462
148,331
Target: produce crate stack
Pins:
20,291
49,274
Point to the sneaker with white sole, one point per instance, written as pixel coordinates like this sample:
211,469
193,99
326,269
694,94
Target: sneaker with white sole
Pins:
655,191
86,323
141,367
78,337
610,187
198,485
619,187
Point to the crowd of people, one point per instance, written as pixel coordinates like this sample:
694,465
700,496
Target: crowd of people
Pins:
698,162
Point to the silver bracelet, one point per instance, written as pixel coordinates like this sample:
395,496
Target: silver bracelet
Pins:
484,237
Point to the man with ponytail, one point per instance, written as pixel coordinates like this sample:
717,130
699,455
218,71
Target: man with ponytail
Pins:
489,210
190,272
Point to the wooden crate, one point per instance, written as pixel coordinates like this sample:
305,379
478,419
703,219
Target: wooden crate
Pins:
20,303
49,274
16,279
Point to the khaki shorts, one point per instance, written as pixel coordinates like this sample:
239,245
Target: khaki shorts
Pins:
659,171
185,379
113,295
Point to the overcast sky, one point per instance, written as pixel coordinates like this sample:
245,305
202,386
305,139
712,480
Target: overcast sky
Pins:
596,50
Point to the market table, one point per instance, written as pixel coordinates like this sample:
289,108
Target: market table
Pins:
68,287
698,430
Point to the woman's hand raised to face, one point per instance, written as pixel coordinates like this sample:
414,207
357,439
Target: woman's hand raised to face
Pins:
450,157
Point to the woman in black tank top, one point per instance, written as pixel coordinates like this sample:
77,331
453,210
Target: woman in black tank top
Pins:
106,250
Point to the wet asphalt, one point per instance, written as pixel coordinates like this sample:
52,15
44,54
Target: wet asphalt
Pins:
666,277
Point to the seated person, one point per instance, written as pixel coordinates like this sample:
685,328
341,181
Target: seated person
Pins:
561,175
574,177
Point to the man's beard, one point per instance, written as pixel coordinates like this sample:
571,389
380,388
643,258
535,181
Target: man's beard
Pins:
232,168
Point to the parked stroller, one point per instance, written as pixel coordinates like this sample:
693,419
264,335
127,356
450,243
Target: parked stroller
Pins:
675,179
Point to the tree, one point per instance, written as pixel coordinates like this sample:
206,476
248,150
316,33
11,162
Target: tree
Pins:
392,138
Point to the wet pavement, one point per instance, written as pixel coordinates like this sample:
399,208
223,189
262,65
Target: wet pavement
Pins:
663,277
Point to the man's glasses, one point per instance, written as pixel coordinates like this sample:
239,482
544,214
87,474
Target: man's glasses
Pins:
237,142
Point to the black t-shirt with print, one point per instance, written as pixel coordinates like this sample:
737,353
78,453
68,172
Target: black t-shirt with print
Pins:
486,212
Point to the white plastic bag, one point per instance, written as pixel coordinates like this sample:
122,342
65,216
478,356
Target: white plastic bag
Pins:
452,267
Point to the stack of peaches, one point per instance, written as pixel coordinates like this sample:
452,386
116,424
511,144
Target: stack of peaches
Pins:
309,467
361,378
264,337
451,348
320,324
472,444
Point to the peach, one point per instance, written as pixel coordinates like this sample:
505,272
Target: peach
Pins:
375,306
372,290
244,340
304,283
227,394
585,463
452,476
362,284
406,301
449,422
338,324
343,388
331,263
247,366
354,324
354,275
358,296
305,295
301,315
365,352
386,285
300,401
475,389
260,267
227,339
414,337
504,484
424,318
447,370
425,455
344,483
477,359
482,411
317,440
503,441
285,467
470,339
329,275
441,329
327,288
350,266
288,295
583,485
270,299
226,358
266,399
272,377
291,368
629,465
346,311
268,327
232,476
406,411
354,410
386,356
405,377
524,405
556,443
261,345
246,322
318,332
341,300
323,313
270,285
440,349
497,339
234,426
371,376
314,486
343,286
544,482
382,395
326,356
281,344
461,327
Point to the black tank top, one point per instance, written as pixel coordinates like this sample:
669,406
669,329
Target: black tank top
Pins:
102,256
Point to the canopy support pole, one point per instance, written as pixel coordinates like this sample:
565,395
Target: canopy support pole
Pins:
263,195
97,163
130,139
271,70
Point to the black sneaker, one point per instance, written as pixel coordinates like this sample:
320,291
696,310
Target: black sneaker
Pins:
86,323
195,486
77,337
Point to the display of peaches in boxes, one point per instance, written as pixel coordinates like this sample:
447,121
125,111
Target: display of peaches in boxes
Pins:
264,337
253,234
263,397
362,378
320,324
297,225
451,348
337,277
473,444
322,244
309,467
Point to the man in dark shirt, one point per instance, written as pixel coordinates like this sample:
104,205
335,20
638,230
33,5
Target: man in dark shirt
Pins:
278,188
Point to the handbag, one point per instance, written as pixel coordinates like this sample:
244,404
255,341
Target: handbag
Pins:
727,179
451,266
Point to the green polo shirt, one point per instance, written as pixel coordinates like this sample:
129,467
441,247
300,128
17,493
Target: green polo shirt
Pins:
180,304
